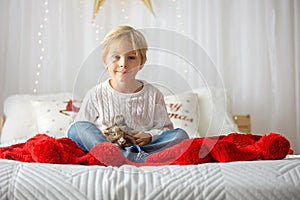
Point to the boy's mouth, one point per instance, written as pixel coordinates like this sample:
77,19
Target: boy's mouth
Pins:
121,72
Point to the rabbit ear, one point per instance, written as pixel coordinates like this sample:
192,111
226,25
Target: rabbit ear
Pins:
119,120
107,133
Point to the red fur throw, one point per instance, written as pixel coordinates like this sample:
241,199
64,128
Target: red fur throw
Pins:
226,148
107,154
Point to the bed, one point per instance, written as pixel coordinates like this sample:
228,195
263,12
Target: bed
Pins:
237,180
52,113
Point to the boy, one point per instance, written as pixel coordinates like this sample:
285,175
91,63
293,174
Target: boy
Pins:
142,105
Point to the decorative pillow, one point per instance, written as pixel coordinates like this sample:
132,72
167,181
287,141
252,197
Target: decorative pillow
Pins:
183,112
214,111
27,115
51,118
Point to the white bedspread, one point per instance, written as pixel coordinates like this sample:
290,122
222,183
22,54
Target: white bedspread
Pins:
235,180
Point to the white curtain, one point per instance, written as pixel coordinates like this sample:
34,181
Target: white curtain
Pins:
253,44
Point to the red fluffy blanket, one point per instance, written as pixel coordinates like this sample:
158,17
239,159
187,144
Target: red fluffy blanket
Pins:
226,148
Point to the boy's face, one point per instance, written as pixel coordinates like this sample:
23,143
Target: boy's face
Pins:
122,61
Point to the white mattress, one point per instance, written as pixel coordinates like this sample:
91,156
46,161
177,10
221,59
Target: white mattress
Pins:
235,180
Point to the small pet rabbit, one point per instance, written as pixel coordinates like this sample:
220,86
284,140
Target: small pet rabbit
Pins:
120,133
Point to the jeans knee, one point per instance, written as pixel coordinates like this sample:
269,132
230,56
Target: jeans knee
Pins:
76,128
72,133
181,133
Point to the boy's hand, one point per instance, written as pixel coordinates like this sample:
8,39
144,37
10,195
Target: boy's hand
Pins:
141,138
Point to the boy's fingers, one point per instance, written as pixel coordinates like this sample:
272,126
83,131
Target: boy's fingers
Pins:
140,142
134,132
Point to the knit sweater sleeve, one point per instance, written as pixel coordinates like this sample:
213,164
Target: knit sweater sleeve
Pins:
161,119
88,109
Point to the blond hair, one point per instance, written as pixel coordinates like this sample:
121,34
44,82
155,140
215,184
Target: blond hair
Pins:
134,36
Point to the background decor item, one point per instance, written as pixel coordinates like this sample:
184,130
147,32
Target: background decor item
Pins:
98,5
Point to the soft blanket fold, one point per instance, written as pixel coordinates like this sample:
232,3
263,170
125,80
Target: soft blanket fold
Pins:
225,148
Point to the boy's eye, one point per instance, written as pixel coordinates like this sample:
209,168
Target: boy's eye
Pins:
131,57
115,57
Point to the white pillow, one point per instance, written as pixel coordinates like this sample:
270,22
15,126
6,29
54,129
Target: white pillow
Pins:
214,111
183,112
50,119
27,115
20,120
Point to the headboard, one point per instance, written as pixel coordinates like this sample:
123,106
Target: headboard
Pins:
27,115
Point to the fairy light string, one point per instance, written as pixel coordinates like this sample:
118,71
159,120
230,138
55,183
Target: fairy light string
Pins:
179,22
41,46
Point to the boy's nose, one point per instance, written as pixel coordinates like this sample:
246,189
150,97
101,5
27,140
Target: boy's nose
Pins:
122,62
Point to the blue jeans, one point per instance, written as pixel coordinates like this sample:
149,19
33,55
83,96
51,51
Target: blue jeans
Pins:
86,135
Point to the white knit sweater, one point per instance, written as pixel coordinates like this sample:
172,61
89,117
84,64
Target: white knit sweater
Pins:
144,110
